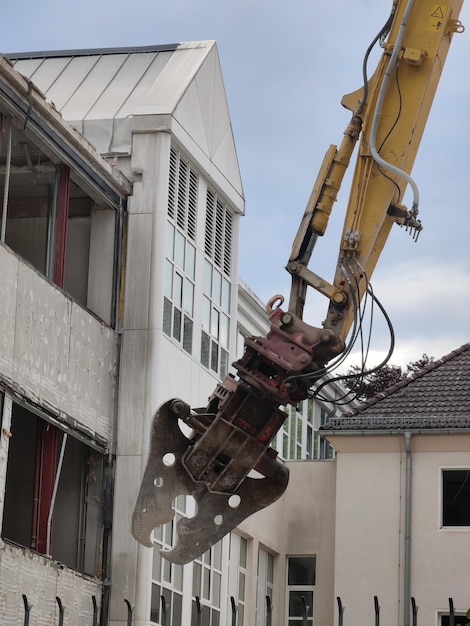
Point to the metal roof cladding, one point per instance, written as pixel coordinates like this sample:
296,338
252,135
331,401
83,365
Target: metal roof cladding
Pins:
107,94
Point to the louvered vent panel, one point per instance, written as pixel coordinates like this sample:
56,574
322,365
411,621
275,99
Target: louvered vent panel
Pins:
210,219
219,233
228,243
192,205
172,183
183,187
182,194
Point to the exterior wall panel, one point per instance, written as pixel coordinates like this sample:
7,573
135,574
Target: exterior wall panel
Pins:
42,580
59,355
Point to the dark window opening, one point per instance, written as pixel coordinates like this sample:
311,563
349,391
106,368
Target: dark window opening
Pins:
71,534
55,225
459,618
301,575
456,497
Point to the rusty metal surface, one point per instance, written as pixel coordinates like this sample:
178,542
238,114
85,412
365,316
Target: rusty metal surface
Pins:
166,477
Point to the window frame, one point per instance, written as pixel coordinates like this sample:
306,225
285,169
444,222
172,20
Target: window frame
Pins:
442,525
307,587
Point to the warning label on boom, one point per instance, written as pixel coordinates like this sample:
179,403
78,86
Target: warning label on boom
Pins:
436,19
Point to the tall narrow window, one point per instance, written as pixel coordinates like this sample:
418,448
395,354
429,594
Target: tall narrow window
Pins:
216,301
167,577
264,590
456,497
207,587
180,261
300,590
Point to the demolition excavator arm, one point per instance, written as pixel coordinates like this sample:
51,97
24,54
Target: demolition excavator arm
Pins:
231,436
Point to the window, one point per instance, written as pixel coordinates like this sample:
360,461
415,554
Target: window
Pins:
57,226
295,438
459,618
456,497
40,457
180,261
300,590
264,586
325,451
207,587
216,301
167,577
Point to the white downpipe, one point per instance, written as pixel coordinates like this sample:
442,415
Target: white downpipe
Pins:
407,575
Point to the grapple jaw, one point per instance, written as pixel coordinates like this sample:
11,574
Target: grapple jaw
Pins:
229,438
166,477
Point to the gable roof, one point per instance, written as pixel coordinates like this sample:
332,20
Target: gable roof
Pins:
104,93
438,396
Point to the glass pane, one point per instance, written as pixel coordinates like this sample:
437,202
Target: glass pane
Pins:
241,586
205,349
207,286
217,555
224,330
206,583
170,236
214,356
166,571
178,290
177,324
177,610
270,568
197,571
178,576
180,504
456,497
243,548
225,295
157,562
155,604
216,618
167,307
223,363
216,589
168,279
299,602
215,315
206,313
188,296
285,445
190,260
179,250
301,570
168,531
216,287
241,615
158,534
188,335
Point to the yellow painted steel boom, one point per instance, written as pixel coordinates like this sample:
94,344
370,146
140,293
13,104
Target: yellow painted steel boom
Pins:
232,435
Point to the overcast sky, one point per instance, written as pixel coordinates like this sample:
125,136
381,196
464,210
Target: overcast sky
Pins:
286,66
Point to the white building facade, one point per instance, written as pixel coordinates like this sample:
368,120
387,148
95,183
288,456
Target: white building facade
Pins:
119,258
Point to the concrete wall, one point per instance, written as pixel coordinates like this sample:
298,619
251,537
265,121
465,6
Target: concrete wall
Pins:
58,355
301,522
370,527
42,580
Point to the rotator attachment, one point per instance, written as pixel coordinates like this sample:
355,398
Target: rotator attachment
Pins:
222,502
